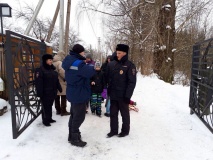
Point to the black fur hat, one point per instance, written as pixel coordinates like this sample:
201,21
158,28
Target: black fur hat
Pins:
45,57
122,47
77,48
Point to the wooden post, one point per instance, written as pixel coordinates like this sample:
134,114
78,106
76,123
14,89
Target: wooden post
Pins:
27,31
53,23
66,44
61,26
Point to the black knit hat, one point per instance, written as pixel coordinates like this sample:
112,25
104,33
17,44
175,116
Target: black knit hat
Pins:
45,57
122,47
77,48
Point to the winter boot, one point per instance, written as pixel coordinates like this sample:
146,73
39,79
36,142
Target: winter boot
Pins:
107,114
46,124
63,106
52,121
70,135
65,113
76,140
57,105
110,134
123,134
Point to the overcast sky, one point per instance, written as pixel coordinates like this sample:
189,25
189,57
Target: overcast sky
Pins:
82,25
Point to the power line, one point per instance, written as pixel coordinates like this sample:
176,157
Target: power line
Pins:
90,20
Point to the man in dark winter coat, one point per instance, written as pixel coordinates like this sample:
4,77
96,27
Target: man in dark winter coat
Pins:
77,76
47,85
121,77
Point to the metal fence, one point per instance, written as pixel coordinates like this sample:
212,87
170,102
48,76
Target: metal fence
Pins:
201,87
23,55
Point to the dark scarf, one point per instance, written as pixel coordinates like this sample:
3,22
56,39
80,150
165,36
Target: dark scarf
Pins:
123,59
78,56
48,67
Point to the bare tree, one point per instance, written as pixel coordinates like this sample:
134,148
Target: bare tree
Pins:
42,27
163,55
131,22
149,28
193,25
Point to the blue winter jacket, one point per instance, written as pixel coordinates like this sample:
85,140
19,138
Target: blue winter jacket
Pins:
77,76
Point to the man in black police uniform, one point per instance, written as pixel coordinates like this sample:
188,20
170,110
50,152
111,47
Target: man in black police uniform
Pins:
121,78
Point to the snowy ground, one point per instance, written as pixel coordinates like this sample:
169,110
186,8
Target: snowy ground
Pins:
163,129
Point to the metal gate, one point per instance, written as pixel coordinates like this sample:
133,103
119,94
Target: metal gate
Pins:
23,55
201,87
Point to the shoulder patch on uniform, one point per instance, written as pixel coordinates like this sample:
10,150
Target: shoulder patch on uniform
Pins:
75,65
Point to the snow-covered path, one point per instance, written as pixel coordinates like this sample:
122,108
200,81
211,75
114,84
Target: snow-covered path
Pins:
163,129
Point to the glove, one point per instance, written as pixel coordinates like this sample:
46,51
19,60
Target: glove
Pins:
126,100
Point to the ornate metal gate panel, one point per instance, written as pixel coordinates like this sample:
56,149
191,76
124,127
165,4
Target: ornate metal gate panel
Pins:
201,87
23,55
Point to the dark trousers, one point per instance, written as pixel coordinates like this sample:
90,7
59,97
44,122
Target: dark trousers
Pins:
47,109
60,103
115,107
77,116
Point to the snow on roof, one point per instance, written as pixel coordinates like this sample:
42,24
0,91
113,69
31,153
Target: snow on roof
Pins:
38,40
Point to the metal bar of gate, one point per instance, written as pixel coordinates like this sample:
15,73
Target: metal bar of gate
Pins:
25,105
201,86
9,68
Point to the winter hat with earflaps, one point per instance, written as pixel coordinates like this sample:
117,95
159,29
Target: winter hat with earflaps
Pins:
45,57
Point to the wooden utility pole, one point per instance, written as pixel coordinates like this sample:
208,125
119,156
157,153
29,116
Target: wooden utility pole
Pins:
61,26
27,31
53,23
66,44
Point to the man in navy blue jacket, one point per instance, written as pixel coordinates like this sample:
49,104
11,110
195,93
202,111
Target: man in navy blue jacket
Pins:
77,76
